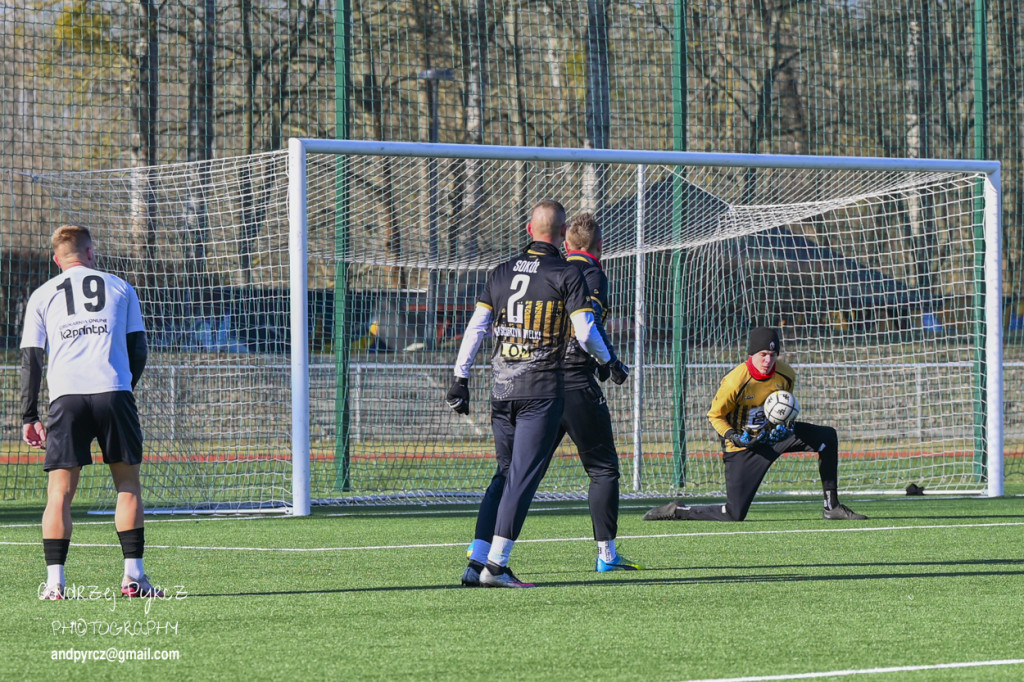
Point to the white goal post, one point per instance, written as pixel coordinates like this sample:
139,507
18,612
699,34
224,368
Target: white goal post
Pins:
299,149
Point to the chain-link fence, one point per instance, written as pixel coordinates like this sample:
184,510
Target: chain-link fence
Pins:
100,84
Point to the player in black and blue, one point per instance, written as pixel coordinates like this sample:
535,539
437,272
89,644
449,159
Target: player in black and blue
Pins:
527,305
90,325
586,417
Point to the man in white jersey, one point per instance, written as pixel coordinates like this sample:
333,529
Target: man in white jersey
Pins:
90,325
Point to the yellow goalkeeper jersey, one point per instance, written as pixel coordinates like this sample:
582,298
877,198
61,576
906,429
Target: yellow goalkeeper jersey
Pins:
739,402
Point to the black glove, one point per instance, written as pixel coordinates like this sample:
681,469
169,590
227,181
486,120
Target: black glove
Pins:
603,372
744,439
616,370
458,396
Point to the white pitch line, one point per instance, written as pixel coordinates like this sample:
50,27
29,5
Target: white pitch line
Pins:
865,671
265,549
365,512
463,543
464,512
816,530
148,521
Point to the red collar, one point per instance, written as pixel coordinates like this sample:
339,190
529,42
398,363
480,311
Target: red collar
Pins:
569,253
757,375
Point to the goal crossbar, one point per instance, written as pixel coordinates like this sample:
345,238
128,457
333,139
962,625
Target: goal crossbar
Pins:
645,157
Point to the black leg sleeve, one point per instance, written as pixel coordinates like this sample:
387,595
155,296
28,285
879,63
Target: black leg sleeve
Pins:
825,441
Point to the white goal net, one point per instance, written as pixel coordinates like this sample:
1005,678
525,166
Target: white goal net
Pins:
874,270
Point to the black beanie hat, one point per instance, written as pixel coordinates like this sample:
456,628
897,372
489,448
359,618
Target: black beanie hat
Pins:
764,338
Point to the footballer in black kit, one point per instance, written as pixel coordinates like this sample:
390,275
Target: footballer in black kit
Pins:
527,305
586,417
530,294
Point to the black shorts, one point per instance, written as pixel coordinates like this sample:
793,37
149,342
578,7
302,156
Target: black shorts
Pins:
75,420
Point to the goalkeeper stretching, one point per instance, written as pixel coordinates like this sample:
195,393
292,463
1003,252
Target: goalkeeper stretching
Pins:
750,444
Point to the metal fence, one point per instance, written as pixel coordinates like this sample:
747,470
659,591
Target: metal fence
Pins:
98,84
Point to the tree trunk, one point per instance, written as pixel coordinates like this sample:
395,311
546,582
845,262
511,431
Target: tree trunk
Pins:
1010,28
918,135
144,115
518,112
249,98
250,217
423,21
200,125
371,100
598,102
475,99
554,44
760,125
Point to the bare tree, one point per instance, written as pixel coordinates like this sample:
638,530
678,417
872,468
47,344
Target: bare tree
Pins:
295,34
200,123
1012,129
251,218
249,80
145,103
598,102
920,216
517,113
476,41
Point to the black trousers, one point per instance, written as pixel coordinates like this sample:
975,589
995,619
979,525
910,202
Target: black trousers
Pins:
588,421
746,469
524,439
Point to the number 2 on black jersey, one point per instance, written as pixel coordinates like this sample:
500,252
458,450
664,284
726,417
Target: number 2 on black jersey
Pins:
94,290
514,308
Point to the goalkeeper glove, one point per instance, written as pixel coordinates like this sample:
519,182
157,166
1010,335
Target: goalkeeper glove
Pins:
603,372
458,396
616,370
779,433
744,439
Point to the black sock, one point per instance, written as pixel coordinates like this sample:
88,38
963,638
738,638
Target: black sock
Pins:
55,551
132,542
831,498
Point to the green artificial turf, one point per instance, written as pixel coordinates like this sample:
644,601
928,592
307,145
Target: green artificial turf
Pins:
373,593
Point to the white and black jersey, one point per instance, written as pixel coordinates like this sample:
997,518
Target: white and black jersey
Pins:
82,318
532,298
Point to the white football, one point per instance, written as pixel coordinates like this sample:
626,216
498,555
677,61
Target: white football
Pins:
781,407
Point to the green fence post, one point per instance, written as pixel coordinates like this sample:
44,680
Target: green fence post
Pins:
980,152
342,55
679,143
